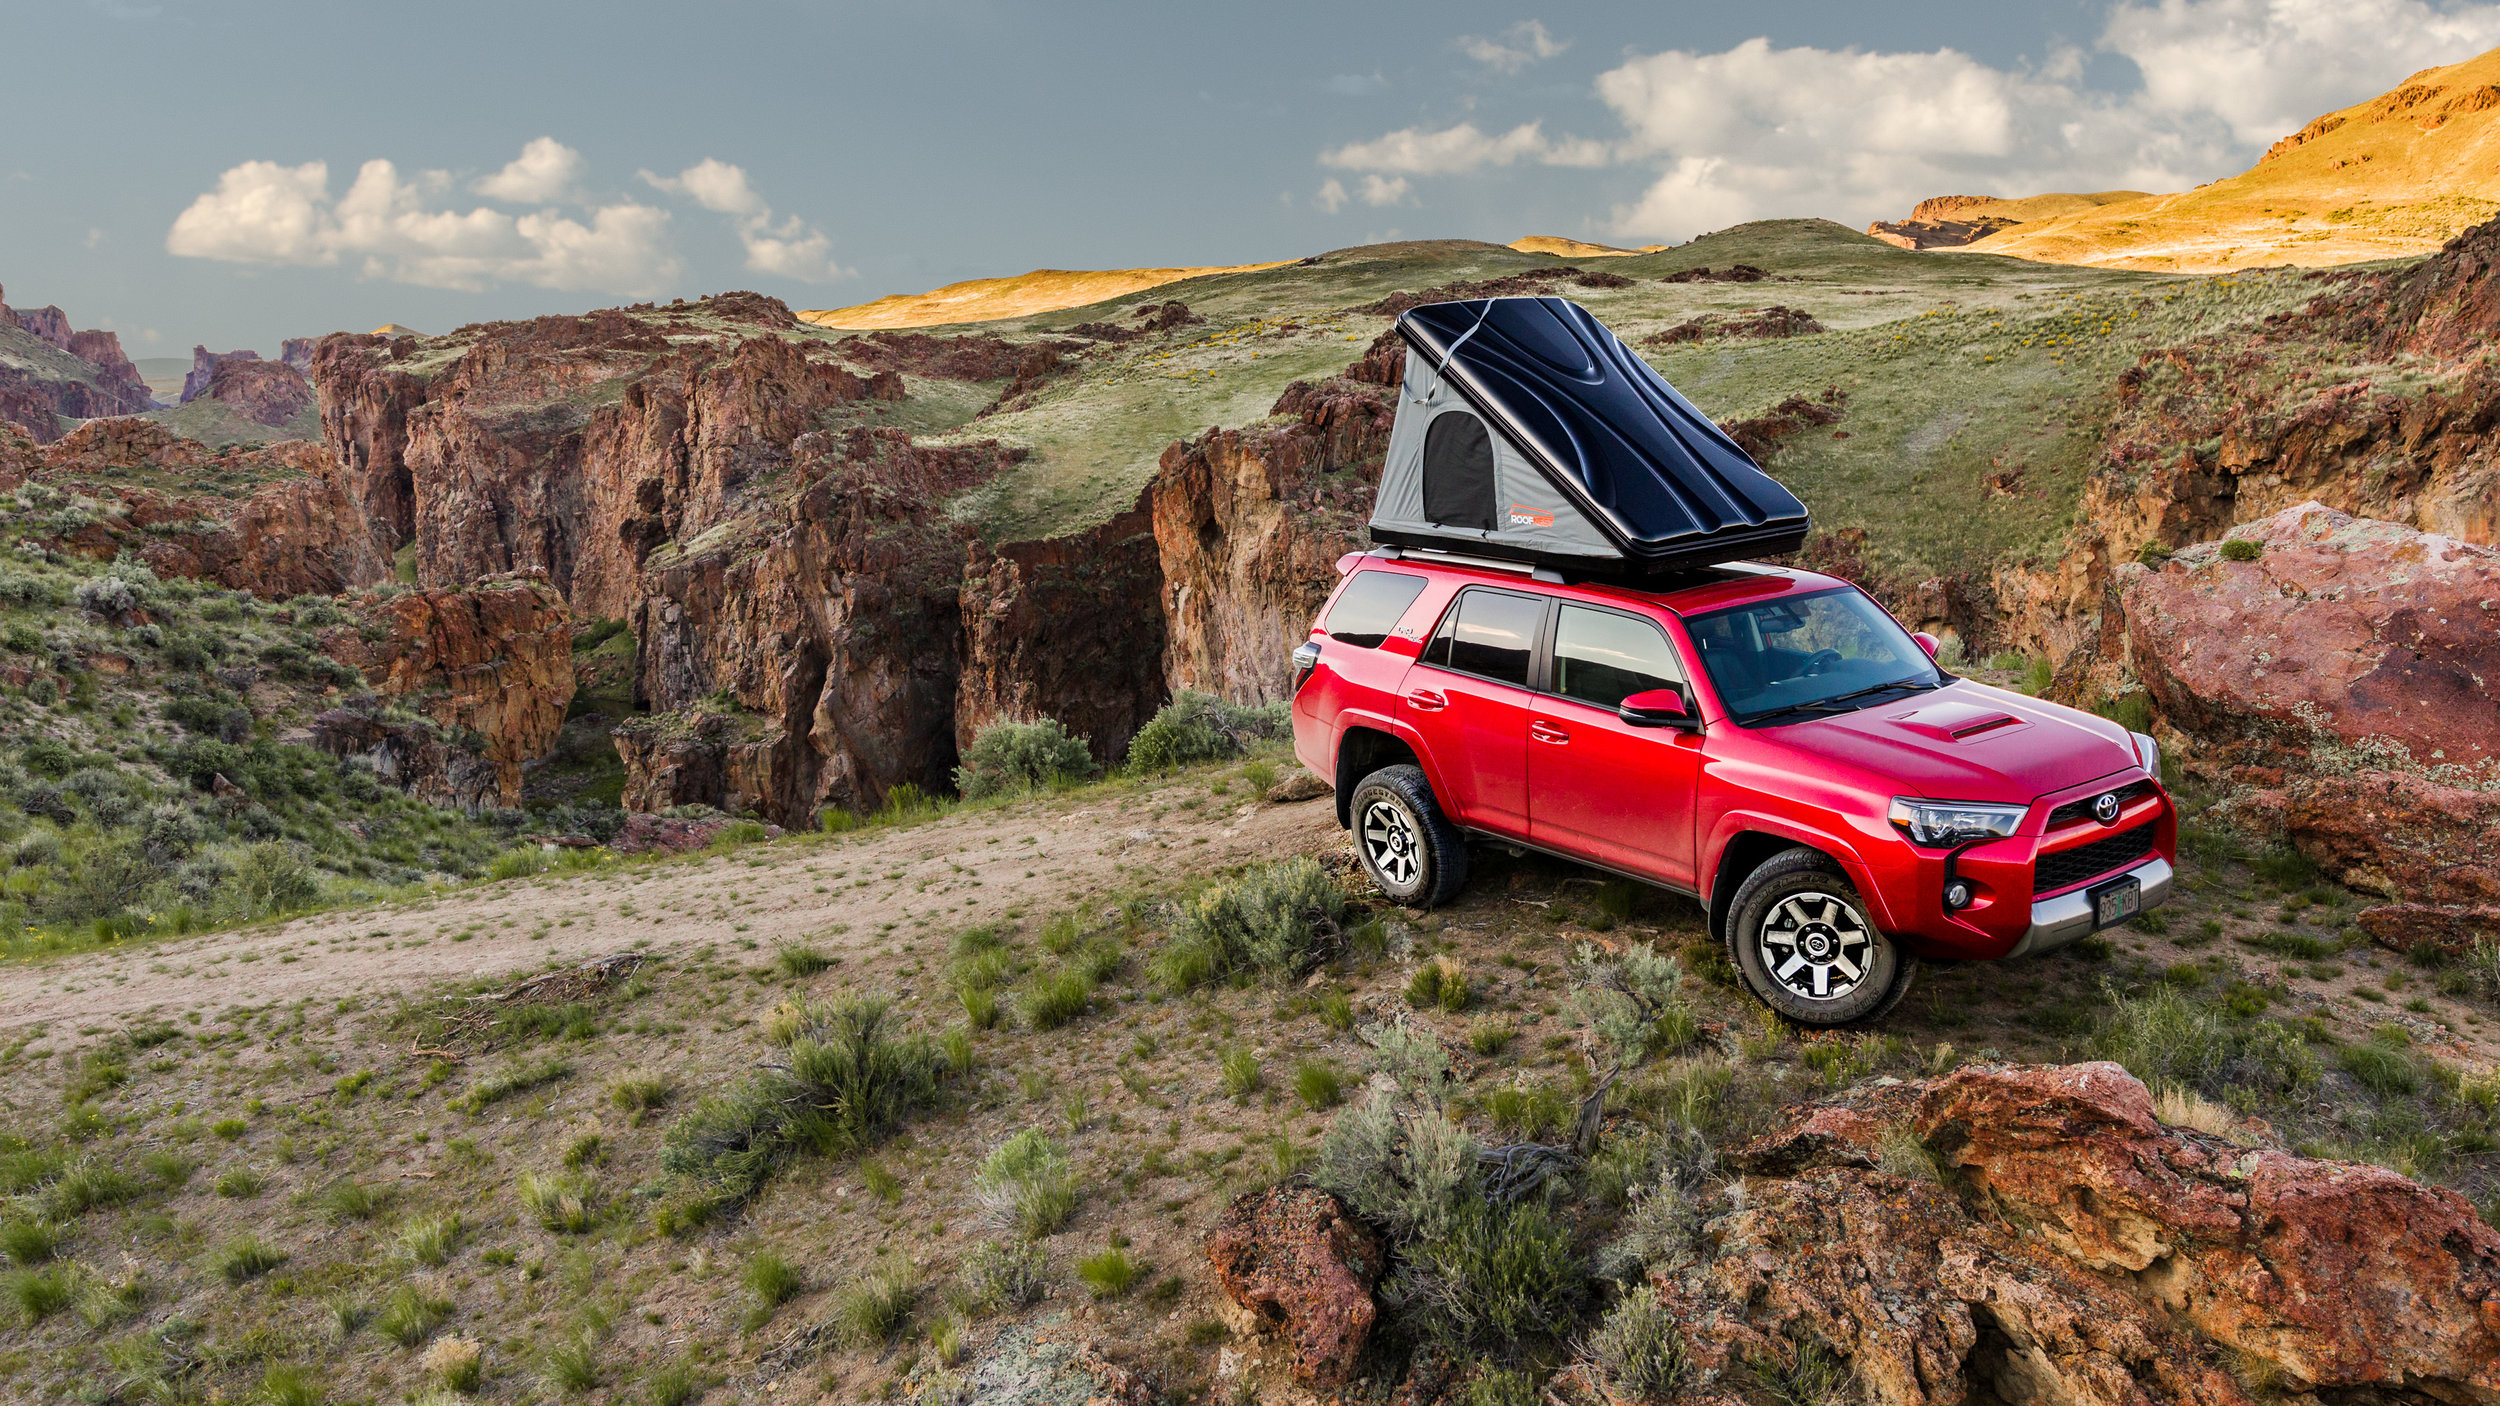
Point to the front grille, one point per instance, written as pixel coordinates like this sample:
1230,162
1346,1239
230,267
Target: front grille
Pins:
2082,809
2065,868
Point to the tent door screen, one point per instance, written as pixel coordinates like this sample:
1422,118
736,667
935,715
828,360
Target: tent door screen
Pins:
1458,472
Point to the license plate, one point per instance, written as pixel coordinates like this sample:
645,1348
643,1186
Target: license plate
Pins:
2116,903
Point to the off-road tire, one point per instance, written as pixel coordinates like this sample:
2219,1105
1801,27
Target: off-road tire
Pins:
1817,930
1410,849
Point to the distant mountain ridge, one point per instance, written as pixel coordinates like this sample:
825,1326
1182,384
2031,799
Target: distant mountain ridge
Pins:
2392,177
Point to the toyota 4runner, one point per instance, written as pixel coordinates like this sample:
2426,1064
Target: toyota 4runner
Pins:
1767,741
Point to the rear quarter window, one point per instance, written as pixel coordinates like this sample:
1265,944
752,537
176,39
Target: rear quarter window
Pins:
1370,607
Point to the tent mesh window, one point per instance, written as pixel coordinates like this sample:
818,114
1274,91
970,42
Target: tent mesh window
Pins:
1458,472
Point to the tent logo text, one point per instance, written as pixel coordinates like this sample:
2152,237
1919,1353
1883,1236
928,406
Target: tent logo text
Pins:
1521,515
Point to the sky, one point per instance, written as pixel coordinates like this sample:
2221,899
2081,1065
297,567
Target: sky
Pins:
240,172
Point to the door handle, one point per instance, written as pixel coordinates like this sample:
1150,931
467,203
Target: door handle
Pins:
1548,732
1426,701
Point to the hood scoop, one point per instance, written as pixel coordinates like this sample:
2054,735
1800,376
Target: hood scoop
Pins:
1959,721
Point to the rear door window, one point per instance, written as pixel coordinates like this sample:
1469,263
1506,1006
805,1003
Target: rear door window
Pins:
1370,607
1491,634
1603,658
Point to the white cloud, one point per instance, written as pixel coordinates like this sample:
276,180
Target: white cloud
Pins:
1413,151
1757,131
790,248
265,213
1386,190
1332,196
545,171
1520,45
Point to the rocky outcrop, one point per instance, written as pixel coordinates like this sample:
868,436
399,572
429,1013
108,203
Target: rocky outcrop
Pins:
1753,323
1069,628
295,533
2076,1250
60,373
297,352
1303,1265
204,364
410,752
114,369
366,394
494,660
2396,834
2452,930
1923,233
1249,524
2335,632
2338,1275
266,392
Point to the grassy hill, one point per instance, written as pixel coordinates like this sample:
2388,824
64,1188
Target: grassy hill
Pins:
2395,176
987,299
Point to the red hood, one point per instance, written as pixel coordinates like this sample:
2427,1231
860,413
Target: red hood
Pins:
1969,742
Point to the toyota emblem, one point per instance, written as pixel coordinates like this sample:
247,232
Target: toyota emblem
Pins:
2105,807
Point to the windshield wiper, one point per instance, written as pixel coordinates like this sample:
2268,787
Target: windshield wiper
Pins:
1831,705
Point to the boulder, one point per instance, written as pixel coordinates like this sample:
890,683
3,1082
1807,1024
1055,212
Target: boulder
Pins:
2341,1276
2451,928
1301,786
1298,1260
2391,833
2345,634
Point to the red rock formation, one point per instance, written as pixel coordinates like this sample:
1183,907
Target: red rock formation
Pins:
48,324
2451,929
1298,1260
2390,833
204,364
296,533
975,356
114,369
1249,524
495,659
2342,1276
268,392
366,397
2368,635
1774,321
1070,628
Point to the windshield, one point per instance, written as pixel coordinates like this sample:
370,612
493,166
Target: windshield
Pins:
1800,651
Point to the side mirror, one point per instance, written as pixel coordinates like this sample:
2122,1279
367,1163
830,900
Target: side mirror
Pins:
1659,707
1928,642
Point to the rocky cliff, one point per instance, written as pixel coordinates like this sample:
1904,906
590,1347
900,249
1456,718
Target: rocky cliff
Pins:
50,371
269,392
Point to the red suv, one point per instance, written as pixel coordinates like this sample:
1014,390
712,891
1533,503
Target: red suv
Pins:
1767,741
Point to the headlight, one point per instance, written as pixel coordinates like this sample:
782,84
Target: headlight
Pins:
1942,823
2147,754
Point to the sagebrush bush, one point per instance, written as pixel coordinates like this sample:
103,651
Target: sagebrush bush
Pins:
1027,1186
1640,1347
1406,1169
1496,1275
1005,1274
1009,757
850,1079
1279,919
1198,727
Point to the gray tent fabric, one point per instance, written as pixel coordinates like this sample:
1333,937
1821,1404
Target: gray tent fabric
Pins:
1529,512
1597,463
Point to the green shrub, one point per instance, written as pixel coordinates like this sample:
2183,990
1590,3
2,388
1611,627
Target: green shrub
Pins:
1407,1170
1197,727
1500,1386
772,1279
1497,1275
571,1365
354,1200
638,1096
2381,1069
238,1183
1111,1274
1009,757
872,1311
517,864
1008,1274
2241,549
673,1385
1490,1036
797,959
1277,919
28,1242
1055,997
1027,1186
2167,1037
1242,1074
37,1294
850,1079
1641,1349
247,1257
410,1315
1336,1011
89,1184
1318,1084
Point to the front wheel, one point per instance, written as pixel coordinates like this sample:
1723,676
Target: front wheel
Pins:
1411,850
1801,938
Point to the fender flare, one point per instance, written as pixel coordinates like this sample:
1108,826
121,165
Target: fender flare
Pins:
1736,823
1404,734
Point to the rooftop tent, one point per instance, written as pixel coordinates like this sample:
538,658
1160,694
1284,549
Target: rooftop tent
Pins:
1526,430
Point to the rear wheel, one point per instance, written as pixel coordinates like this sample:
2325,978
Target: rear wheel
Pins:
1411,850
1800,936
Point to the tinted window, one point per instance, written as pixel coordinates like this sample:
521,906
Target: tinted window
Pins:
1490,633
1796,652
1370,606
1602,658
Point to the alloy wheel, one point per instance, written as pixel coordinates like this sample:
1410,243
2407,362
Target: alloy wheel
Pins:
1390,843
1817,945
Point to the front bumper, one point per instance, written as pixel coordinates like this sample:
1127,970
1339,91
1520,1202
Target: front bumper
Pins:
2058,921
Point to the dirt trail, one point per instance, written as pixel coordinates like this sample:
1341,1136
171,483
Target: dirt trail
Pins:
854,894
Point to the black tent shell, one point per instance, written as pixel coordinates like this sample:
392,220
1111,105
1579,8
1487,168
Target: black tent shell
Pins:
1527,431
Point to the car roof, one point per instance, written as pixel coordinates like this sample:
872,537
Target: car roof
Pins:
1710,588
